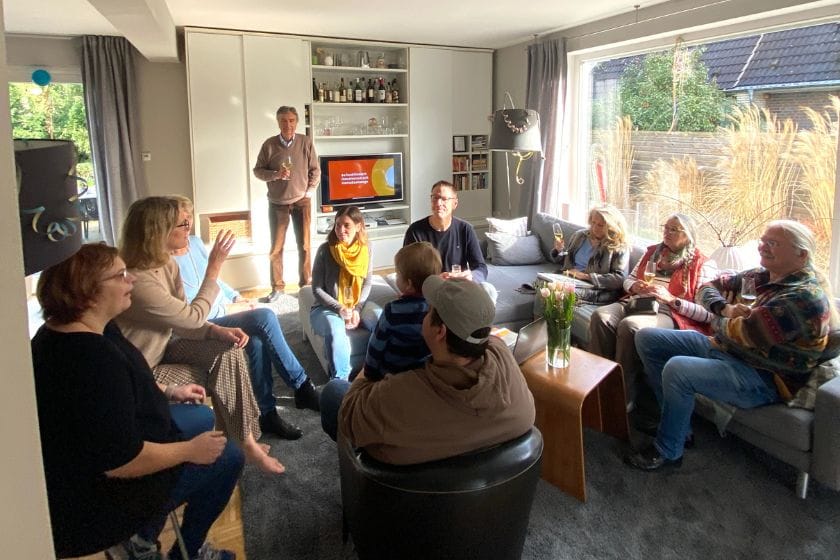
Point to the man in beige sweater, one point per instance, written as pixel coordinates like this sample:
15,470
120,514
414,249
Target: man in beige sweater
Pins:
471,394
289,165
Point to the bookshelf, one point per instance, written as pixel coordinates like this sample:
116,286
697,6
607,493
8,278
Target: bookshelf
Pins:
470,162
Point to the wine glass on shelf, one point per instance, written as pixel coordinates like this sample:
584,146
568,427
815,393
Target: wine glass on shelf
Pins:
650,271
748,294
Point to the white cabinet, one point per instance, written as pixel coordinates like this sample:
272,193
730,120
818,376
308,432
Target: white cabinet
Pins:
450,96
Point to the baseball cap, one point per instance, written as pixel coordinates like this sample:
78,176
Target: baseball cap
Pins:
462,304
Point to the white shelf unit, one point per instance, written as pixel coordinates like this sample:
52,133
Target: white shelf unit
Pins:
470,162
351,128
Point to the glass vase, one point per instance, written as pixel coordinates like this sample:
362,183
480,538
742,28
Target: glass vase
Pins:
558,345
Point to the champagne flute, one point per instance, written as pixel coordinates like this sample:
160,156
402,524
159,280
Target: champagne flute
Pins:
287,164
650,271
557,229
748,294
347,304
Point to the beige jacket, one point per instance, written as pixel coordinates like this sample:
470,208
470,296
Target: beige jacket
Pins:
439,411
159,309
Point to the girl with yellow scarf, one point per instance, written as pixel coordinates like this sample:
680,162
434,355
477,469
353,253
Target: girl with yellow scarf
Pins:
341,280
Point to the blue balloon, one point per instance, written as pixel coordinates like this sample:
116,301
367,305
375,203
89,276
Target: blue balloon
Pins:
41,77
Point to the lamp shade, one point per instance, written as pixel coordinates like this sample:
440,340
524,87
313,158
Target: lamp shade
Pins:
48,201
515,130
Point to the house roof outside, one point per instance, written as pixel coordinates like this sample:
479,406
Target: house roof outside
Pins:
793,58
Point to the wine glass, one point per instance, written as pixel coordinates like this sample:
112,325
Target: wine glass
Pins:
347,304
748,294
557,229
287,164
650,271
456,269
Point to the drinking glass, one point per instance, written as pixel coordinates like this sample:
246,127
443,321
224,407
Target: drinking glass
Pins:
287,164
748,294
558,238
456,269
650,271
347,304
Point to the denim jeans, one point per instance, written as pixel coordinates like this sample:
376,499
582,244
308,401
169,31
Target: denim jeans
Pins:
679,364
331,396
329,324
267,347
206,489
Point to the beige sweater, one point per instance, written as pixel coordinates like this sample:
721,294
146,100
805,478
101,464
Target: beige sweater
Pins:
439,411
305,171
159,308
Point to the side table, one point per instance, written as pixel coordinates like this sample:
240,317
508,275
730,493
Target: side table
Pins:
589,392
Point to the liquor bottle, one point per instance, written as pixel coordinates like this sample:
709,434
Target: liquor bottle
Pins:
358,94
314,90
389,98
342,92
321,94
371,95
337,93
395,91
329,92
380,98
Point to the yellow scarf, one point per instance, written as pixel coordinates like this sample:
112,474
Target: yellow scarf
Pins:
353,261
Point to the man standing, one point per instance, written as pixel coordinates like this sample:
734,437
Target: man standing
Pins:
455,239
756,356
469,395
289,164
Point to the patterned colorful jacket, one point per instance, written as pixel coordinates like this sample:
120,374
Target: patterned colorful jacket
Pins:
787,330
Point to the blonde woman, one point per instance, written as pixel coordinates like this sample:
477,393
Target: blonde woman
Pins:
599,255
200,352
341,280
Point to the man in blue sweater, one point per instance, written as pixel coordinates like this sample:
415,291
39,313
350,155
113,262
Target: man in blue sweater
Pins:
455,239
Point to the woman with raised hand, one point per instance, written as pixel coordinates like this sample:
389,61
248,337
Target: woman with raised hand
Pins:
599,255
341,280
680,269
117,456
174,336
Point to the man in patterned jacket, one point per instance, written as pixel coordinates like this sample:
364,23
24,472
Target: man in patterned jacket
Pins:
755,356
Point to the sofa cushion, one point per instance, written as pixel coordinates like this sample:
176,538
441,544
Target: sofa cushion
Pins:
513,309
507,249
541,225
806,397
791,426
516,226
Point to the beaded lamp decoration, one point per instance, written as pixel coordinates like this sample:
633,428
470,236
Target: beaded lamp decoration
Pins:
517,131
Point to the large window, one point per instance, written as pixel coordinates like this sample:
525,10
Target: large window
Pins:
734,133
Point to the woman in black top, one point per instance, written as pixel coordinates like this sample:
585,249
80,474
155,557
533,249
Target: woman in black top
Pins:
117,456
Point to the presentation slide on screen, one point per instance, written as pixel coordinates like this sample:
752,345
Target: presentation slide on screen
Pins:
361,178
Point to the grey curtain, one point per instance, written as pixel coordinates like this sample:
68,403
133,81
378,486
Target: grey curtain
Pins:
546,94
111,103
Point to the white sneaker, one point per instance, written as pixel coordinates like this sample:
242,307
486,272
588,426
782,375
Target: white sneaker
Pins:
207,552
135,548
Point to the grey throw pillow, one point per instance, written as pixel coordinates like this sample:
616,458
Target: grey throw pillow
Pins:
516,226
807,395
514,250
541,226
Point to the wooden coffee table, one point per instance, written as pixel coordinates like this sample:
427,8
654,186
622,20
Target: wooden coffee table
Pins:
589,392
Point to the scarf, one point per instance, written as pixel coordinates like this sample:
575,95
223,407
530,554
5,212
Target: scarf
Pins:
353,261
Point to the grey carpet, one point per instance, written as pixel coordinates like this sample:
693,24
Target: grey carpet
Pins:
729,500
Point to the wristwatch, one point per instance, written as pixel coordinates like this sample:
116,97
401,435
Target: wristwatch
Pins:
676,303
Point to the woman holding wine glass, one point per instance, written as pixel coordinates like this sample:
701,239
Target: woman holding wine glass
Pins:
598,254
341,280
669,273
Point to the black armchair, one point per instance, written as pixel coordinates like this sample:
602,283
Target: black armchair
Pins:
474,505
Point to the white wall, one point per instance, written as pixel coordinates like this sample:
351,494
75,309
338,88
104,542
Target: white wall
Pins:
23,515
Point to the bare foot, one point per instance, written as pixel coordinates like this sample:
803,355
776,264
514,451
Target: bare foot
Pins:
265,447
256,455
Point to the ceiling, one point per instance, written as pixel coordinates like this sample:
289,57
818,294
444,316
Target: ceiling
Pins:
150,24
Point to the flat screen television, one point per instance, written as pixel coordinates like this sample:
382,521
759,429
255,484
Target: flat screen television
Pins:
361,180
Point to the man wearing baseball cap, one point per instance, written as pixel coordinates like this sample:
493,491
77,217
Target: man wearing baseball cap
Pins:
471,393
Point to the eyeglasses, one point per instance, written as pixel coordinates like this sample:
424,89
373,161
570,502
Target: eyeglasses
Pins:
123,274
436,198
186,225
670,229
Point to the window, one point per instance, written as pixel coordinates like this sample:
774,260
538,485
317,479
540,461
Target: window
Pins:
734,132
57,111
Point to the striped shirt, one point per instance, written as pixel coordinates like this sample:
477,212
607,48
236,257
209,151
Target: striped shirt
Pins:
396,343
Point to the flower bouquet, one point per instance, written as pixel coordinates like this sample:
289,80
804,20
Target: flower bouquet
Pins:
559,298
